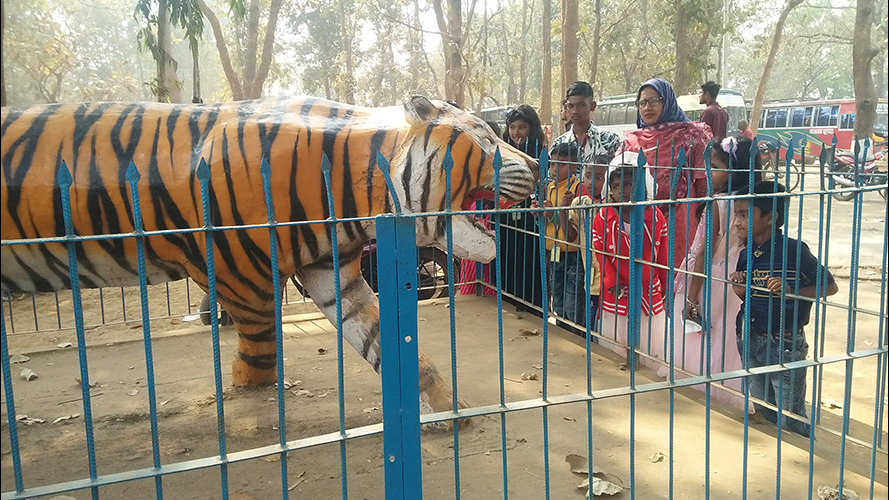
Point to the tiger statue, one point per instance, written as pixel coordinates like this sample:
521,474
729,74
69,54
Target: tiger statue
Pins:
167,142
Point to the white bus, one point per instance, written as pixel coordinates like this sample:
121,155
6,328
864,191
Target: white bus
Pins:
618,113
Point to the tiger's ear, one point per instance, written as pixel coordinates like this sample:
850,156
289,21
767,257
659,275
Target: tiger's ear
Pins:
419,111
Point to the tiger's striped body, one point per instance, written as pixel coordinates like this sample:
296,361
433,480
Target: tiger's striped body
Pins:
166,144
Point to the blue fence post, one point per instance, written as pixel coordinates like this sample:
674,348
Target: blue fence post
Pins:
133,178
203,175
399,369
65,181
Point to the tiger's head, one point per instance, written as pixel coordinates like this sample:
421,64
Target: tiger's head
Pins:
419,176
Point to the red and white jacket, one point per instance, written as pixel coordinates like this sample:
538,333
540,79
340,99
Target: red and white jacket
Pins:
610,238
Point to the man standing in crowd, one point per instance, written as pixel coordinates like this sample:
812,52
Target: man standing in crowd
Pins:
590,141
745,129
714,115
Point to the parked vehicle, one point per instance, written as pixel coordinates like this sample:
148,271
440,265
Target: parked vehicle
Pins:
870,170
432,278
775,166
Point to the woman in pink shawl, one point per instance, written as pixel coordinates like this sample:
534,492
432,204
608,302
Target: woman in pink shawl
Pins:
662,129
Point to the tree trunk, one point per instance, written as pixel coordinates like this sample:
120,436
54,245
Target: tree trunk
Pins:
196,75
2,45
455,24
570,26
507,61
268,46
862,75
597,41
168,85
770,61
681,76
523,70
546,86
416,50
233,82
347,90
252,46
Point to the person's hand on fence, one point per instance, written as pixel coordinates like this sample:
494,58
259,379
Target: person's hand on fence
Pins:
567,198
775,284
739,277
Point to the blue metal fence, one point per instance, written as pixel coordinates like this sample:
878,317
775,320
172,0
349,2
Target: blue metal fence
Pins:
400,335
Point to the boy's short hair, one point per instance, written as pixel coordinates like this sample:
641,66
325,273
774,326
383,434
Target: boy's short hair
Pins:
711,88
580,88
761,192
564,149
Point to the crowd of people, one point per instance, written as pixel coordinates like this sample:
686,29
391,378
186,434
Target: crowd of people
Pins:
698,306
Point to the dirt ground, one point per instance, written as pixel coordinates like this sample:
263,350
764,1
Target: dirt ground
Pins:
187,424
56,452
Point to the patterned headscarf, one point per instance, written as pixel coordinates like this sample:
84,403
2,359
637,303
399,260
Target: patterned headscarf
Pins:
672,112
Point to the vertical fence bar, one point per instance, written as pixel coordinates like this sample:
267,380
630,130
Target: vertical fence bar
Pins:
447,166
265,172
203,174
65,181
335,251
634,301
133,180
498,164
541,233
397,272
10,405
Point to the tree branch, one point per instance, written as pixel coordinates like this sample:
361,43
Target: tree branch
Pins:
267,48
230,75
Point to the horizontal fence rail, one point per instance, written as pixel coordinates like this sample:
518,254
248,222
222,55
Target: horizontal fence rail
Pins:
546,254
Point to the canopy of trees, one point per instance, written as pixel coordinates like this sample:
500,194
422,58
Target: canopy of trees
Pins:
478,52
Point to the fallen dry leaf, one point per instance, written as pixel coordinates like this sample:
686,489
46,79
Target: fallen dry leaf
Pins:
271,458
537,366
579,465
303,392
288,383
28,374
132,392
63,345
529,333
324,394
26,420
370,410
66,417
831,404
570,419
240,495
18,358
529,376
657,457
322,350
600,487
826,492
622,367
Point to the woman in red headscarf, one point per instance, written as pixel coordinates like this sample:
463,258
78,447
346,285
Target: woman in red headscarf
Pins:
662,130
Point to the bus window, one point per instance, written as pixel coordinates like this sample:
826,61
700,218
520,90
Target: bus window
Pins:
600,115
847,121
881,124
801,117
826,116
776,118
628,115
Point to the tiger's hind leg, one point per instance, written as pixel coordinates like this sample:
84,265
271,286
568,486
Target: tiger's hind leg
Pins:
361,321
255,362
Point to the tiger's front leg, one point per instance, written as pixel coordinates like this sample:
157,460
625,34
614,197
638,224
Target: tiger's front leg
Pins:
361,321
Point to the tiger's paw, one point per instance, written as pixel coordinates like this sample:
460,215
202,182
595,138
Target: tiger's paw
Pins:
245,374
441,399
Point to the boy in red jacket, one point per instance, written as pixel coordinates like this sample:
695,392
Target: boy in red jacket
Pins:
611,241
